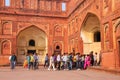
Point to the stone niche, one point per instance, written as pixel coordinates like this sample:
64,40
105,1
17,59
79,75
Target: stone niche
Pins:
6,27
58,30
6,47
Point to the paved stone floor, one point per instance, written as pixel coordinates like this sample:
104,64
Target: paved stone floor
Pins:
43,74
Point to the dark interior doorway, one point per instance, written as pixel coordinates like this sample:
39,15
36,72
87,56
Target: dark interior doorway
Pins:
31,51
97,37
57,47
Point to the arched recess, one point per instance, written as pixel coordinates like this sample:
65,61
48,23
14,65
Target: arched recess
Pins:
58,47
31,40
58,30
117,41
106,37
7,27
91,26
6,47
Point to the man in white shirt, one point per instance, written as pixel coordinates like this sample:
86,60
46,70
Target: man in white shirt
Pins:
58,61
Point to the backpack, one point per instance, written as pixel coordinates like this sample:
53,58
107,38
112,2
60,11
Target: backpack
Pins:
28,58
32,59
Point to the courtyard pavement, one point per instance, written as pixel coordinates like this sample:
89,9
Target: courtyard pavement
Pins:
43,74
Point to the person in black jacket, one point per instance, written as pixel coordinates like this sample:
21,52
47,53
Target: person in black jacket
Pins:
91,58
13,61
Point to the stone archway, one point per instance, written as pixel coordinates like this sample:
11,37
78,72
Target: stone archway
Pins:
90,34
31,39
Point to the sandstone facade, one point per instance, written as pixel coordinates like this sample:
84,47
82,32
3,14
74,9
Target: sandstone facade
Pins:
44,26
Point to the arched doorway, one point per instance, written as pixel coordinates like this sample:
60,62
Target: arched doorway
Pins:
90,34
31,40
57,47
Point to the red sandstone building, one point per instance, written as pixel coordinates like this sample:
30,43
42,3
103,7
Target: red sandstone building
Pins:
48,26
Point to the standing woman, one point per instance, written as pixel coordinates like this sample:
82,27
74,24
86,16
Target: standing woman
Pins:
52,63
28,60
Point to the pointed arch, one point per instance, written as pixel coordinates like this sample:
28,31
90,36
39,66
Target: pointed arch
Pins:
6,47
90,25
22,28
31,39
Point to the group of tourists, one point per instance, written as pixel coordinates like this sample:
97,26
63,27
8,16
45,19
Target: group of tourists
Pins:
70,61
58,61
31,61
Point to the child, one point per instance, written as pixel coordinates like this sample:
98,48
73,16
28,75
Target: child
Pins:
25,64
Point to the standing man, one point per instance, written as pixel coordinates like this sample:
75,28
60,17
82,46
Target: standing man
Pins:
13,60
35,56
52,63
58,61
46,61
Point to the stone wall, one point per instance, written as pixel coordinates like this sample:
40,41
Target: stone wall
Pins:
64,28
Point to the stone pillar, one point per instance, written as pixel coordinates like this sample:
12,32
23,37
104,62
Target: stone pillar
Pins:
102,37
65,38
12,3
33,4
50,40
27,4
0,27
1,3
42,5
14,37
53,5
18,3
58,6
111,33
14,45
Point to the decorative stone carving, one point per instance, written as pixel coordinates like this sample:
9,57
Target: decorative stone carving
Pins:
58,30
6,47
106,37
7,27
105,3
56,44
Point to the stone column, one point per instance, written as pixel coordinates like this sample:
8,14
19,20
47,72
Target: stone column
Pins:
65,38
27,4
1,3
50,40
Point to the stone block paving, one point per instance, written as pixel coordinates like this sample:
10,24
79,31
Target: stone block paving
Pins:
20,73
